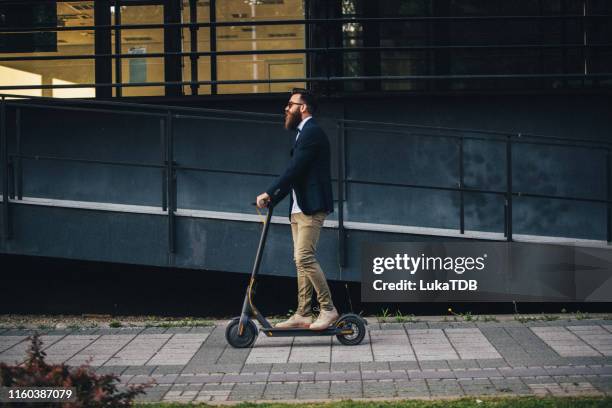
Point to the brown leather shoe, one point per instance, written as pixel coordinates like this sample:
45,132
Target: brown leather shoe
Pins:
326,318
295,321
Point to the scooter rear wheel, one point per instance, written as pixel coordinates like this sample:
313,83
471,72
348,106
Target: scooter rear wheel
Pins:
233,337
354,323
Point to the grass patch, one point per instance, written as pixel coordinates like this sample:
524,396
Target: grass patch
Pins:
505,402
186,322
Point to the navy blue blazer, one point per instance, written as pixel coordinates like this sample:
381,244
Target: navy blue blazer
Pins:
308,173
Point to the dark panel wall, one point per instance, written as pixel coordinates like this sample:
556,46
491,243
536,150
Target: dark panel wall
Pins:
372,156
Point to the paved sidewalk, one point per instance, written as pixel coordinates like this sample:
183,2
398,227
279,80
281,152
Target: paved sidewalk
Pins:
410,360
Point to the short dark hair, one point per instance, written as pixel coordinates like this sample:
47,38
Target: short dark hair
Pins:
307,97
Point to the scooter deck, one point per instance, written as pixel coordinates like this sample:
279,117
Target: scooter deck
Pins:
298,331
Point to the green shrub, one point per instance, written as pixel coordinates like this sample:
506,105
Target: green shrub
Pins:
92,390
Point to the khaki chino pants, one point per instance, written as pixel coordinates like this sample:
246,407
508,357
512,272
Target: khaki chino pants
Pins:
305,230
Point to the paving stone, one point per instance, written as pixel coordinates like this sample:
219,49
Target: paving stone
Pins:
378,389
384,375
338,376
167,369
374,366
404,365
430,365
212,368
454,364
116,370
291,377
285,367
470,343
360,353
431,344
565,342
280,391
344,366
210,350
493,363
247,392
416,388
313,390
256,368
311,350
233,356
431,374
139,370
345,389
245,377
313,367
416,325
444,387
595,336
270,350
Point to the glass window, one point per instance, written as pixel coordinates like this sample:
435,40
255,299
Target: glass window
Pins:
50,43
260,37
135,41
475,46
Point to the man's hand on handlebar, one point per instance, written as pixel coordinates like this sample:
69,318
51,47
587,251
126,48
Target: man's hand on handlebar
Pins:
263,200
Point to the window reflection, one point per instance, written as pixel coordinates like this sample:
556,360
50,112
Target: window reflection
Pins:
253,38
71,71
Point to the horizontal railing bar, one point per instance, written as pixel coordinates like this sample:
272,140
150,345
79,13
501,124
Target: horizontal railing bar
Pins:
410,133
478,191
262,122
88,161
496,137
239,173
424,186
596,145
306,21
300,51
314,79
80,109
129,105
568,198
521,135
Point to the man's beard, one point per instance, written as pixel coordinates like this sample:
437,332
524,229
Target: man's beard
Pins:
292,120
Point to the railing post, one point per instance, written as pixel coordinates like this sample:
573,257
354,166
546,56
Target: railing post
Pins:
164,160
193,30
213,46
170,182
19,168
461,186
5,169
609,197
509,188
118,76
341,161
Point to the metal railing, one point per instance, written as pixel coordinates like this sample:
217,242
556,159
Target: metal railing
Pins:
12,183
586,48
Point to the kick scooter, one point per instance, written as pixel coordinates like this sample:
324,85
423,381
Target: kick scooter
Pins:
241,332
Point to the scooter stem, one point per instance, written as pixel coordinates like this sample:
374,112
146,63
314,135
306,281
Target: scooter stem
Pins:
262,242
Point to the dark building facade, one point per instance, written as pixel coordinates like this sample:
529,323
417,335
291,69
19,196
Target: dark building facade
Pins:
154,124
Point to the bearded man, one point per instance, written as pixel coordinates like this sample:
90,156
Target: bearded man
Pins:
307,180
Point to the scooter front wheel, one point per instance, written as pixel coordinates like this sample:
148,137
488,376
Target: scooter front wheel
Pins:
357,327
248,337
